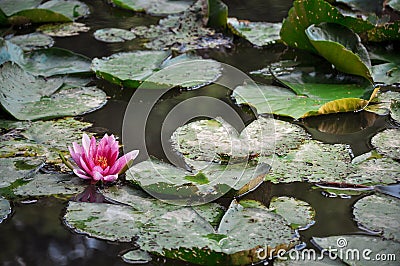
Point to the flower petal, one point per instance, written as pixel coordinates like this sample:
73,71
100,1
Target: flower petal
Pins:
97,176
123,160
81,174
84,167
93,147
110,178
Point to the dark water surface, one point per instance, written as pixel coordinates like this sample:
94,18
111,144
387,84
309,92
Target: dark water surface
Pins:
35,234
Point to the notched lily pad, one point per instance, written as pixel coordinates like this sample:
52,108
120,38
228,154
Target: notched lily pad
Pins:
298,213
112,35
18,168
388,143
32,41
155,7
5,209
258,33
379,213
351,248
63,29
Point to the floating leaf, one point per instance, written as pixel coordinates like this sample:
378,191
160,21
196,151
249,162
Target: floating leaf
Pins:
367,6
370,210
55,61
112,35
385,102
351,249
72,9
18,168
44,99
180,232
217,15
388,143
387,32
50,184
136,257
387,73
32,41
342,47
10,52
64,29
258,33
298,213
154,7
394,4
132,68
10,7
5,209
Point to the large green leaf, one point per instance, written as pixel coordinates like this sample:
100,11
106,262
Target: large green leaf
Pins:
72,9
155,7
370,210
10,7
258,33
132,68
358,250
342,47
43,99
181,232
55,61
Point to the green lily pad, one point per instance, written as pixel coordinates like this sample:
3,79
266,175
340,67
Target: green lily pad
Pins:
44,138
72,9
112,35
354,249
136,257
10,7
388,143
379,213
44,99
298,213
10,52
50,184
5,209
18,168
263,136
32,41
132,68
342,47
258,33
55,61
154,7
206,182
182,32
63,29
387,73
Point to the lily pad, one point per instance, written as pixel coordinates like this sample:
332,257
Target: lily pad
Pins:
132,68
379,213
388,143
18,168
354,249
342,47
179,232
394,4
205,183
387,73
5,209
55,61
154,7
50,184
32,41
44,99
216,140
298,213
71,8
10,7
10,52
258,33
112,35
182,32
136,257
44,138
385,103
63,29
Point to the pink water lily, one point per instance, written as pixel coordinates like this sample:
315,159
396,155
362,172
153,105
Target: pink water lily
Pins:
99,162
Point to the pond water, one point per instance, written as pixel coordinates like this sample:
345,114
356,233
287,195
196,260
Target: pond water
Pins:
35,234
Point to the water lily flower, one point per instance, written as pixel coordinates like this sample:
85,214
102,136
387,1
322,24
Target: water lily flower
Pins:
99,162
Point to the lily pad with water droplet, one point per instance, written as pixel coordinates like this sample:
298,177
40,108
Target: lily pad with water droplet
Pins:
112,35
56,61
32,41
5,209
43,99
18,168
258,33
379,213
50,184
388,143
64,29
298,213
357,250
154,7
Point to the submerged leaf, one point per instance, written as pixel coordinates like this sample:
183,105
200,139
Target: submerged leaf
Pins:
258,33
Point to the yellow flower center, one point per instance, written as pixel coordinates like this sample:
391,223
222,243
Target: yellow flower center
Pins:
101,161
